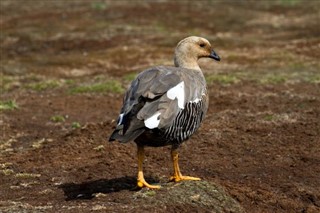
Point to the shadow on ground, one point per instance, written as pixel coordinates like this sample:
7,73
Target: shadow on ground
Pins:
88,190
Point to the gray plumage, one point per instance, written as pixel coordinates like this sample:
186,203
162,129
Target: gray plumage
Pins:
147,95
166,105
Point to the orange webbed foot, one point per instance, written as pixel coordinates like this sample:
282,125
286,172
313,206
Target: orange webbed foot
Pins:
178,178
141,183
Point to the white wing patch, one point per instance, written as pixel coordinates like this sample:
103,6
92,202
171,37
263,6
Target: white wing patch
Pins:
177,92
153,121
120,118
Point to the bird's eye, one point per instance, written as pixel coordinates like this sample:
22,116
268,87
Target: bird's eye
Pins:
202,45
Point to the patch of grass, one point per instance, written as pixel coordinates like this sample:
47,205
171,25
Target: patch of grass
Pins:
6,146
273,79
130,77
281,118
313,79
99,148
7,172
44,85
5,165
109,86
8,105
5,168
268,117
99,5
222,79
5,79
289,2
27,175
69,82
6,82
57,118
297,66
75,125
38,144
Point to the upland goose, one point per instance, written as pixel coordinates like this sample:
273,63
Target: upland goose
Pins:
165,105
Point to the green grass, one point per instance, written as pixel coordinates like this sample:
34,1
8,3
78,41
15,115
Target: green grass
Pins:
313,78
289,2
268,117
69,82
27,175
108,86
130,77
7,172
8,105
99,5
6,82
44,85
57,118
222,79
273,79
75,125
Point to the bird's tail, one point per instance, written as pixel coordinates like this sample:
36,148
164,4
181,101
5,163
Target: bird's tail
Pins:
129,127
128,136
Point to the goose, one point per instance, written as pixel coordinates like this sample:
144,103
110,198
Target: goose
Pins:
165,105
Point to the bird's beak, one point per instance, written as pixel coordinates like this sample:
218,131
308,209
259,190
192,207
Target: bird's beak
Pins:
214,55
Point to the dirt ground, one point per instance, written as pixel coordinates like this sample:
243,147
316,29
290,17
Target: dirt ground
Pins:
64,68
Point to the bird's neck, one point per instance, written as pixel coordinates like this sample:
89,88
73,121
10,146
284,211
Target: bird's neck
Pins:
185,61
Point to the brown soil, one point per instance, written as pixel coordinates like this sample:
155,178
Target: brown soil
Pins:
257,151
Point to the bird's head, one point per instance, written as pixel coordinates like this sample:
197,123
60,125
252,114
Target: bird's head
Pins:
190,49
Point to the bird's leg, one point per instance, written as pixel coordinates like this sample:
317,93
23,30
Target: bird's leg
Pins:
141,182
177,176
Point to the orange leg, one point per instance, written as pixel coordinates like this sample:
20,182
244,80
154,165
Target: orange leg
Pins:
141,182
177,176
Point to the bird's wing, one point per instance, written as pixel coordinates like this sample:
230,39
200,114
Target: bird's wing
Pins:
154,99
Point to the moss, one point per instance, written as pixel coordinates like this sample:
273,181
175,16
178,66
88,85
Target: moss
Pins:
195,194
144,193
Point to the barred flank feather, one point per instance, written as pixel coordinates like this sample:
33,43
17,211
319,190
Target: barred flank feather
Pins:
186,122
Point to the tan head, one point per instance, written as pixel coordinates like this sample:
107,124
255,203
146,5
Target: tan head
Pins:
190,49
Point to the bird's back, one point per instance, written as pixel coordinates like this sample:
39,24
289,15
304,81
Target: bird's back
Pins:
163,105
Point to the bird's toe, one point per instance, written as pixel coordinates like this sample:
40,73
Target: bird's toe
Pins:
143,183
177,178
